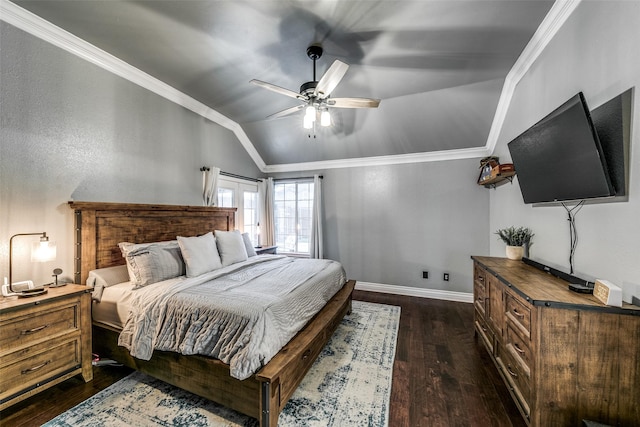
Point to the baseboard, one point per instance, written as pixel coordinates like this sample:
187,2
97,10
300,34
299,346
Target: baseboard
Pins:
415,292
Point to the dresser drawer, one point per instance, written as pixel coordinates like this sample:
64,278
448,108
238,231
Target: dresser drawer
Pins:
479,276
59,357
517,380
519,314
42,323
484,331
479,290
519,349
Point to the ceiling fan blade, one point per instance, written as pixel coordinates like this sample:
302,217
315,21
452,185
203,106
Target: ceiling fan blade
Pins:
330,79
286,112
277,89
353,102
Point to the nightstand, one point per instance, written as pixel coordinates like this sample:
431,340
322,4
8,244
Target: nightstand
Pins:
260,250
44,340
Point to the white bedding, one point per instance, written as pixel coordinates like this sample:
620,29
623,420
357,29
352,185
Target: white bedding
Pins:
242,314
113,307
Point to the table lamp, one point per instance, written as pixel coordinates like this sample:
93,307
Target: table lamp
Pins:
42,251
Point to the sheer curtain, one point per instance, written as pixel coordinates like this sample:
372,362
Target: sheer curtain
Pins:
267,223
210,185
316,250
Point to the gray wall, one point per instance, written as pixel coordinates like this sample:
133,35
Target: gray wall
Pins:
595,52
387,224
72,131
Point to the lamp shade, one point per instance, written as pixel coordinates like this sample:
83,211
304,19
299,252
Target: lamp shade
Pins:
43,251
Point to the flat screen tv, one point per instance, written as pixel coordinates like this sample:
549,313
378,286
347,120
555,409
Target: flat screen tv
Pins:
560,157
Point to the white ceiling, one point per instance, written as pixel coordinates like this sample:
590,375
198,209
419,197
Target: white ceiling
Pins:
438,66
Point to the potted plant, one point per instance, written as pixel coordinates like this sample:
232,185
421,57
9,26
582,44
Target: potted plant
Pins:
517,239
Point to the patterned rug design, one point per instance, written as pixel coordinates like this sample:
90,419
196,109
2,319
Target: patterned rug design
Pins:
348,385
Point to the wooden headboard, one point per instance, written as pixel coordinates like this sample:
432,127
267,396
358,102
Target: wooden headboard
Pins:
99,227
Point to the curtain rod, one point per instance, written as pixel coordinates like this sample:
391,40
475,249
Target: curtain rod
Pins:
233,175
297,178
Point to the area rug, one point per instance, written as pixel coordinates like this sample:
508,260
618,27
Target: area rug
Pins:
348,385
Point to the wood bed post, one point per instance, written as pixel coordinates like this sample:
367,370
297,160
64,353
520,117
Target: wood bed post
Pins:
85,249
270,403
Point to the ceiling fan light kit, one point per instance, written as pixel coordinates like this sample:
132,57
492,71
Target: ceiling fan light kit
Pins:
325,118
316,94
309,118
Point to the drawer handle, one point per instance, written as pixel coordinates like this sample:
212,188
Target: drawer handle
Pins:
513,374
517,313
517,347
31,331
480,299
480,279
306,354
35,368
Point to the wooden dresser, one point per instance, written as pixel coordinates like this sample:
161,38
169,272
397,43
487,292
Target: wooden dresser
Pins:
44,340
564,356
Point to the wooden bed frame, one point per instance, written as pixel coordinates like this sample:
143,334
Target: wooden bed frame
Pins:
99,229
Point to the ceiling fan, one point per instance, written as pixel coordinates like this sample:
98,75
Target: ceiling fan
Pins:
315,95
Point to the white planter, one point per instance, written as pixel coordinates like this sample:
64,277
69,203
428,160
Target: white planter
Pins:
515,252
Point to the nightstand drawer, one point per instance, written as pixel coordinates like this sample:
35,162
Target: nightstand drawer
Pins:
40,324
60,356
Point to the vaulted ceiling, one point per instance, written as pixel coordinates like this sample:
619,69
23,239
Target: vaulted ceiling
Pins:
438,66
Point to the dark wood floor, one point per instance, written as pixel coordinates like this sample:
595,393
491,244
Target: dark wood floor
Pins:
442,375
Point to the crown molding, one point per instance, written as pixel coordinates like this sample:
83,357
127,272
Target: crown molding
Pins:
44,30
431,156
550,25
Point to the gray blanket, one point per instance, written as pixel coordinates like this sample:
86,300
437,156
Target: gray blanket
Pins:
242,314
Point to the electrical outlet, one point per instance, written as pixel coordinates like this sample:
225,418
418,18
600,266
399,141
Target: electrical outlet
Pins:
446,277
425,274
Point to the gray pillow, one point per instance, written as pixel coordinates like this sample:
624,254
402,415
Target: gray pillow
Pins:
149,263
200,254
231,247
248,245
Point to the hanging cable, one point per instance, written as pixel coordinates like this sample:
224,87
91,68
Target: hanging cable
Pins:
573,231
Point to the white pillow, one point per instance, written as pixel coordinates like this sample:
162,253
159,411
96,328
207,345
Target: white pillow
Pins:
108,276
149,263
231,247
248,245
105,277
200,254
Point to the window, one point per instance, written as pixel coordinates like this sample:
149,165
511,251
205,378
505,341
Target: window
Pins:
293,205
235,193
225,197
250,215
